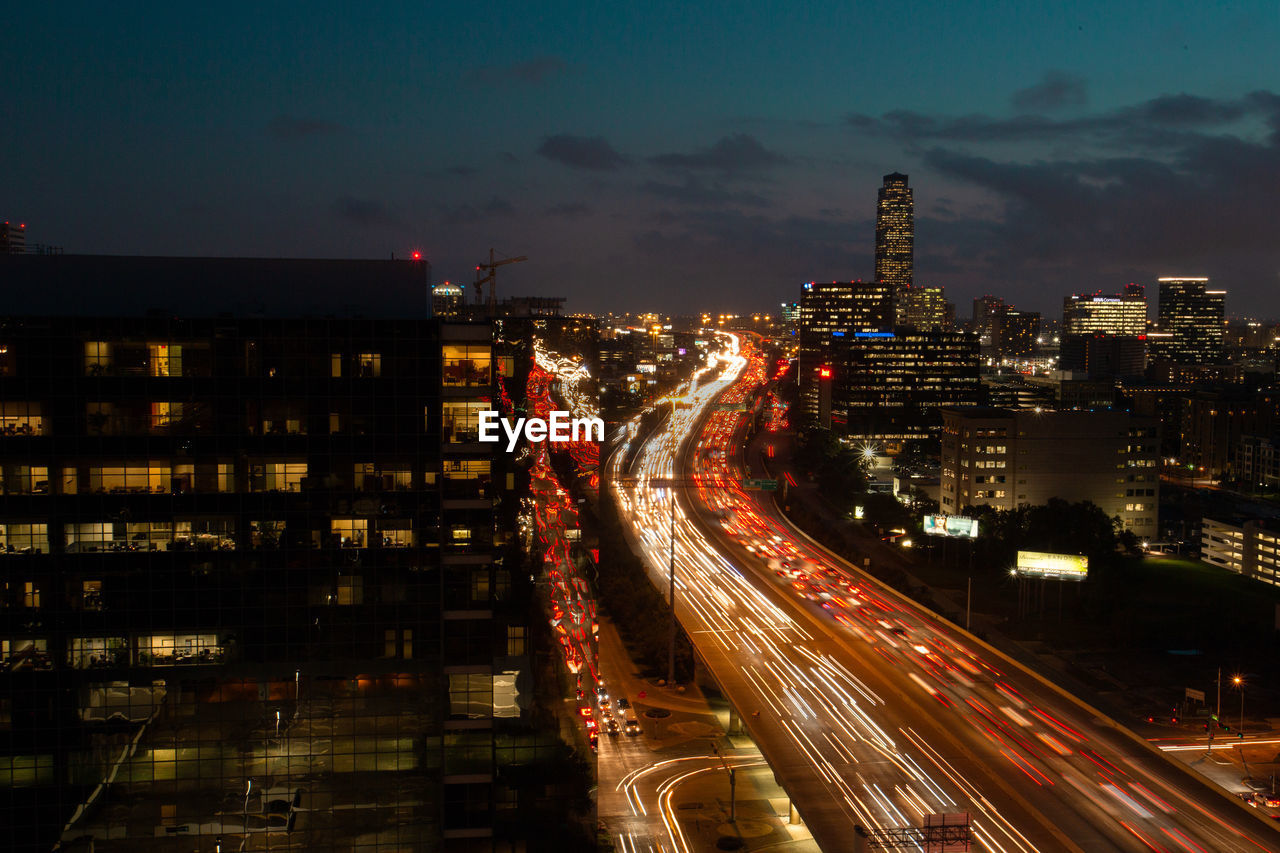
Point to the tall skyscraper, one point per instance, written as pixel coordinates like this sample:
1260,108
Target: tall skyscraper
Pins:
1192,321
895,232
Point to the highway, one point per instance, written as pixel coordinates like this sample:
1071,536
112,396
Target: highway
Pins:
871,711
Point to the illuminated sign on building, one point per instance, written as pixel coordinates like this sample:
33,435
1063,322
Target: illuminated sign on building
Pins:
1060,567
951,525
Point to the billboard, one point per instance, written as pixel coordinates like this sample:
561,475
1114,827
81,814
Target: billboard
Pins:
951,525
1059,567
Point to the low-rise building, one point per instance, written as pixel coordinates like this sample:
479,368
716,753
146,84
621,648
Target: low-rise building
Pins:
1007,459
1249,547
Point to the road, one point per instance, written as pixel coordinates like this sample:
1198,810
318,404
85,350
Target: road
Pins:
871,711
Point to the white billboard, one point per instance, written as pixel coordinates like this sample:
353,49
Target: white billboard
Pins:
1061,567
951,525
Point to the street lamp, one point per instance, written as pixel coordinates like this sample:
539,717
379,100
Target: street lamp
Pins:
1239,683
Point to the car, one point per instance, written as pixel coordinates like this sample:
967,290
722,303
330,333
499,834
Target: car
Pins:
1270,800
633,726
1251,798
604,704
601,693
623,704
611,727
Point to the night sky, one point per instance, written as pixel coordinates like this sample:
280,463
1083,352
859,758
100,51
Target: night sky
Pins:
661,156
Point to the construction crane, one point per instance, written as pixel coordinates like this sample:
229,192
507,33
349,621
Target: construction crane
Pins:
491,277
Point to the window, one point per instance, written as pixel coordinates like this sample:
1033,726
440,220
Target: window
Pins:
467,364
266,534
350,532
277,476
164,359
396,534
515,640
18,418
470,695
95,652
97,358
180,649
24,538
24,479
335,365
371,478
369,365
461,420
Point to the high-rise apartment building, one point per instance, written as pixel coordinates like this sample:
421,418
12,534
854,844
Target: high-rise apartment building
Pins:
1192,322
830,314
1007,459
895,232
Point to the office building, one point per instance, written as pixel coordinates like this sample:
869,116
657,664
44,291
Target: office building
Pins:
1119,314
988,314
830,314
1017,333
1193,318
893,385
925,309
1249,547
258,572
895,232
1007,459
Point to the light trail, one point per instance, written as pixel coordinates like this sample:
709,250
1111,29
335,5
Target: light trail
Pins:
814,687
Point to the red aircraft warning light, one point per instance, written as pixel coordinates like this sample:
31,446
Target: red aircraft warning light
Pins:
824,372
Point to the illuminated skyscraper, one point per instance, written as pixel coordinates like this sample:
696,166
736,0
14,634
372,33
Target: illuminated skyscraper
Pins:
1192,322
895,232
1105,335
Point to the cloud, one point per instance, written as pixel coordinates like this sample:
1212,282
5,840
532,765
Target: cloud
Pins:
1161,122
1033,208
469,214
592,153
365,212
300,127
695,192
1057,90
462,171
568,210
738,153
532,71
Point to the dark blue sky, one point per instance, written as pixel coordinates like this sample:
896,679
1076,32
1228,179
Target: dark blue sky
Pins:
661,156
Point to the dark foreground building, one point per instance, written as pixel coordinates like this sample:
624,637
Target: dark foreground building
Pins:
258,589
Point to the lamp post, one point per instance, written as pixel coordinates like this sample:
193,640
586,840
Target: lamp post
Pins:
1239,683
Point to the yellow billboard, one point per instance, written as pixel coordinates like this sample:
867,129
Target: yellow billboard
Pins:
1060,567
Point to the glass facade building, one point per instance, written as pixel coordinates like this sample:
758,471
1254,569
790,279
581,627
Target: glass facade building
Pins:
259,588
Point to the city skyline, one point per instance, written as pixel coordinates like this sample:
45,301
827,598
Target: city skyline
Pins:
1068,163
